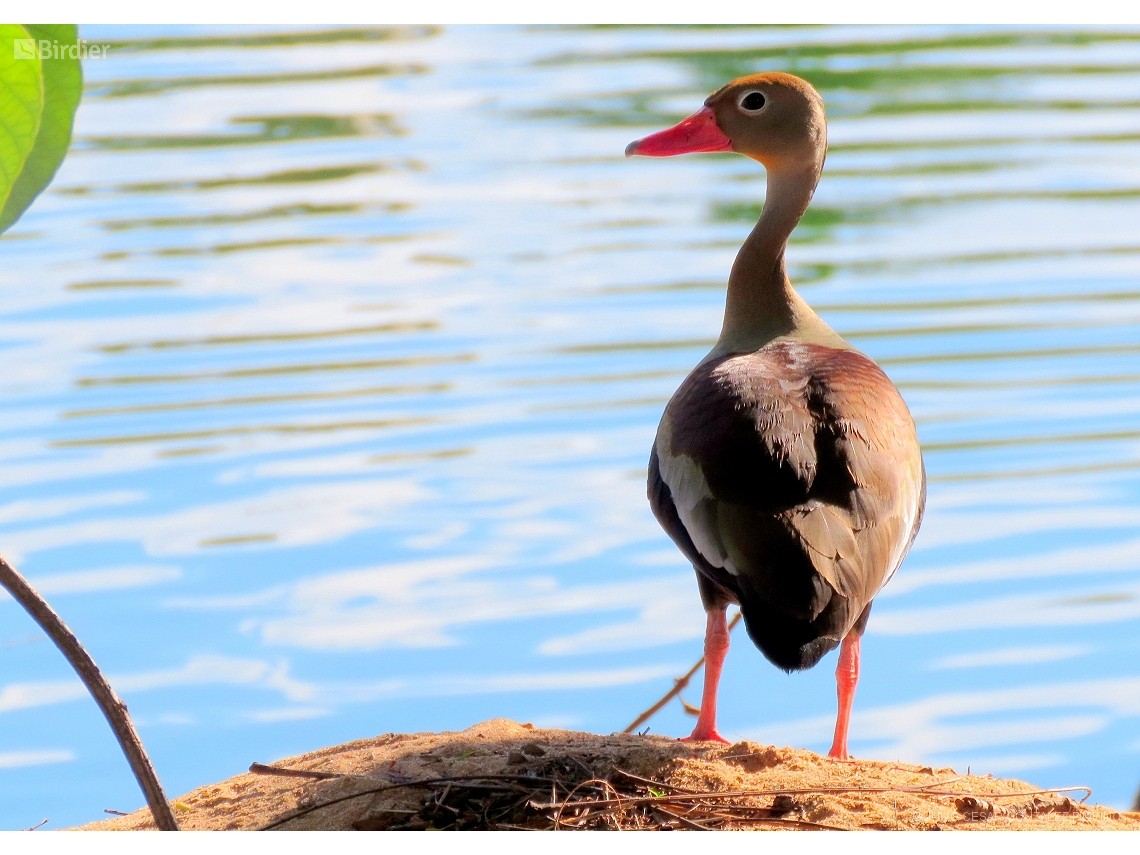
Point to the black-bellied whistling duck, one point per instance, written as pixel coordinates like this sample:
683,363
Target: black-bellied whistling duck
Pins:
786,466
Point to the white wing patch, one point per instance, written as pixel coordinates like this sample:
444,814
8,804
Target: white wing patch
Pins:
913,508
693,500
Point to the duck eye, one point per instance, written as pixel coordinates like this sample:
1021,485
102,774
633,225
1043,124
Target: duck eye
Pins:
752,102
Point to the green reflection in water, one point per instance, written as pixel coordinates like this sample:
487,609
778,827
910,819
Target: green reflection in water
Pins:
632,114
1095,600
273,40
410,456
896,65
802,274
902,170
260,400
190,451
594,378
976,356
101,284
976,142
244,430
152,86
237,540
815,217
657,401
697,285
256,246
962,106
818,219
816,224
877,49
260,129
1015,441
268,338
222,248
1020,383
920,262
981,302
641,108
288,176
1043,472
619,346
996,355
275,213
641,223
868,78
439,258
1009,326
818,272
275,370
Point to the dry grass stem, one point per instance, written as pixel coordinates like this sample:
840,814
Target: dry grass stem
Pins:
679,685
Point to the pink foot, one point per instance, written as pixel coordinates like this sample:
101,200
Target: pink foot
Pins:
709,735
716,648
846,678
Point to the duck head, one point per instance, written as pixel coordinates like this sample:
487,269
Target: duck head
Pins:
774,118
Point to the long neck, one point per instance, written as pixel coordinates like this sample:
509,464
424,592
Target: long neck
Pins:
761,303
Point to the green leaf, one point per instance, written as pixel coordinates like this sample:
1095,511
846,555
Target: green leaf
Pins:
21,105
38,98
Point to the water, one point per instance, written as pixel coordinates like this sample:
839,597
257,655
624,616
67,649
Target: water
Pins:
333,359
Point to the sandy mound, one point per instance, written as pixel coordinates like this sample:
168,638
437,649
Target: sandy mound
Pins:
500,774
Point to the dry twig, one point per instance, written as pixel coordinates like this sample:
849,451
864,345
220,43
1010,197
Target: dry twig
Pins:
471,783
679,685
519,801
113,708
281,771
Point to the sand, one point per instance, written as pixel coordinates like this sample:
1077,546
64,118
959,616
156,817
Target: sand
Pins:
654,777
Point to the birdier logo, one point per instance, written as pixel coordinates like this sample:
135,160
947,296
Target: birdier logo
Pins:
51,49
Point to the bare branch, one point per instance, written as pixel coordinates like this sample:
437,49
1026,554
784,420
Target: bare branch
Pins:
113,708
679,685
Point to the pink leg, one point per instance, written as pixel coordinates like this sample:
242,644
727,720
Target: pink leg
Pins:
846,677
716,648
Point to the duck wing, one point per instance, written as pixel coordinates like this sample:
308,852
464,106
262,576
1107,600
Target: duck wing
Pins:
792,478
